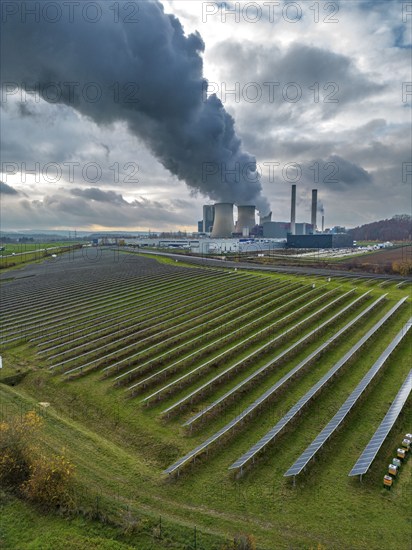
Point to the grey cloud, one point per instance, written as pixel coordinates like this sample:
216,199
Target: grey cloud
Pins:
322,80
96,194
107,150
338,173
6,189
67,209
25,111
158,71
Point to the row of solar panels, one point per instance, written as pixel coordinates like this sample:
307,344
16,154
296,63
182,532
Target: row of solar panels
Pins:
252,338
269,393
296,409
172,312
136,306
75,304
33,312
338,418
371,450
159,297
134,356
216,327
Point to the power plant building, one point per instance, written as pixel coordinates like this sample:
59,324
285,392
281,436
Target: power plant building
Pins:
280,230
320,240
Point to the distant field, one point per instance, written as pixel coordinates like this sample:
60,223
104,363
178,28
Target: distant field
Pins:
21,253
382,257
112,341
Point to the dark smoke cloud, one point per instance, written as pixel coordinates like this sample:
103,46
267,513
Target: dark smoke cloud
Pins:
7,189
168,108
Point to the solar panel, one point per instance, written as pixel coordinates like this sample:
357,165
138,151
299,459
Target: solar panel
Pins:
94,335
254,353
371,450
324,435
235,421
202,336
252,337
311,393
259,371
115,353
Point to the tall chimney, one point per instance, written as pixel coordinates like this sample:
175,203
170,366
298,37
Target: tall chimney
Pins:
314,208
323,223
223,222
293,211
245,219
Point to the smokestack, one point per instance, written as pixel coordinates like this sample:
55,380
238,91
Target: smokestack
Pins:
323,223
293,211
314,208
245,219
223,223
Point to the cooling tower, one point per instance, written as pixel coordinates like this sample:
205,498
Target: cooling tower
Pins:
223,223
293,211
208,217
245,219
314,208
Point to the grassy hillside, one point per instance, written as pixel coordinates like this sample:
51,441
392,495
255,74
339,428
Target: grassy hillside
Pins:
120,448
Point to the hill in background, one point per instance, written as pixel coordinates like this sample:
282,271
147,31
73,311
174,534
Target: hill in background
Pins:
398,228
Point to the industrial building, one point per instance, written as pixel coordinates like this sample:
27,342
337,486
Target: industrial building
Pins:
280,230
320,240
227,236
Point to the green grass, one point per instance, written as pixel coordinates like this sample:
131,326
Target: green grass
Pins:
18,255
121,448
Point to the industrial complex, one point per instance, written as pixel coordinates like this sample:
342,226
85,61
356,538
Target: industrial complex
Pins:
218,223
219,233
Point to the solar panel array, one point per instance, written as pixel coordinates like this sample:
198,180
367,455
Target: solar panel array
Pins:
261,444
218,328
212,317
338,418
371,450
291,373
127,326
311,393
232,368
281,424
175,326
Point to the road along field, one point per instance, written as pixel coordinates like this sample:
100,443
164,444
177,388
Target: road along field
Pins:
188,392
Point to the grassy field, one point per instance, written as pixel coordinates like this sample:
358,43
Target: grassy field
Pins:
16,255
121,448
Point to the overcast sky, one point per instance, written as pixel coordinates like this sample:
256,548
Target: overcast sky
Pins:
122,132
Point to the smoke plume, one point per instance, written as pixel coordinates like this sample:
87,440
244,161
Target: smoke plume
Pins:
147,73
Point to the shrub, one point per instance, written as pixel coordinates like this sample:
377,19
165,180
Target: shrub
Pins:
27,472
16,446
49,481
241,542
404,267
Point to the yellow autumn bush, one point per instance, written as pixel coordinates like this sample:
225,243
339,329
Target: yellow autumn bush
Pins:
26,471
